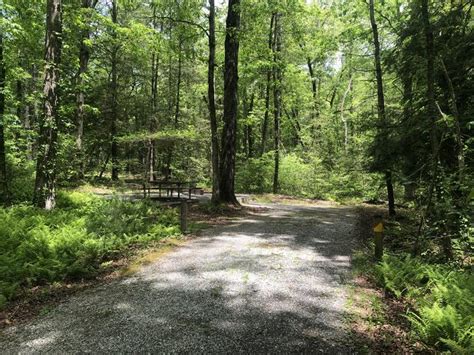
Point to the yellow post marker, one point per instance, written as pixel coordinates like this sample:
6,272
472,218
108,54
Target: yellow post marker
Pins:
378,230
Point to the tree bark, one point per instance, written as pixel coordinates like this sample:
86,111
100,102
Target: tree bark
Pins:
211,100
381,105
227,166
114,100
267,90
44,194
4,195
277,82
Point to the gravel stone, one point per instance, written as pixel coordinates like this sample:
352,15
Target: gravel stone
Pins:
267,283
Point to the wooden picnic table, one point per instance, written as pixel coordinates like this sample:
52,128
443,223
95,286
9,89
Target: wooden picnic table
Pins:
170,187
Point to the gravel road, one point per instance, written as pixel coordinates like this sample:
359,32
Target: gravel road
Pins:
272,282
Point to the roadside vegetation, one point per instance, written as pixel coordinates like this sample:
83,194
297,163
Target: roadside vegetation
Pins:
434,298
75,240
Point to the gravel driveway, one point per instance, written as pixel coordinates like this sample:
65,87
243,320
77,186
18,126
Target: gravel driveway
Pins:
268,283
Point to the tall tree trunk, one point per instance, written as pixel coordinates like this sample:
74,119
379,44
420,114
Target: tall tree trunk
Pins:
430,78
293,119
457,126
152,124
381,104
248,128
211,100
314,89
114,100
229,132
44,194
84,55
4,195
343,118
178,85
247,108
267,90
432,114
277,82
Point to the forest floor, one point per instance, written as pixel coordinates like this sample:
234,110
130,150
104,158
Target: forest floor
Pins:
269,281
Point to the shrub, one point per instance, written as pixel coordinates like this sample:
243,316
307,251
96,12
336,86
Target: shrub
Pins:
443,300
306,177
72,241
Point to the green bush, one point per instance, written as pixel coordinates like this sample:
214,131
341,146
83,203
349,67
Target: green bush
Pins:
72,241
255,175
306,177
443,300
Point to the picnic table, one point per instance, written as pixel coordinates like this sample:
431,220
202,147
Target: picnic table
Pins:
165,189
170,189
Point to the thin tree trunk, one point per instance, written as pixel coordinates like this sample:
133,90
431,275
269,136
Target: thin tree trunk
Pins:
4,195
343,118
455,112
267,90
314,88
154,104
277,82
84,55
45,184
114,100
211,100
432,114
381,104
430,78
178,85
249,130
296,126
229,132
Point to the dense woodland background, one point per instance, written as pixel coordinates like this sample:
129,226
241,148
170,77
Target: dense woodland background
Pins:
343,100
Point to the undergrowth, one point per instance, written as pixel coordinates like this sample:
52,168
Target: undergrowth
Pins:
441,299
72,241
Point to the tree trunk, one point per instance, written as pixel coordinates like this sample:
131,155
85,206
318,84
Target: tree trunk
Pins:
152,125
44,194
249,130
211,100
455,112
293,119
4,195
430,78
343,118
267,90
84,55
178,85
381,105
277,82
314,89
114,100
229,132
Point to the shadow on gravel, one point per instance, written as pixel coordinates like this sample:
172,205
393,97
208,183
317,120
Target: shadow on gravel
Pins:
267,284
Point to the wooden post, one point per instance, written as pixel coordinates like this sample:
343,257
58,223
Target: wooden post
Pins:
378,231
184,216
